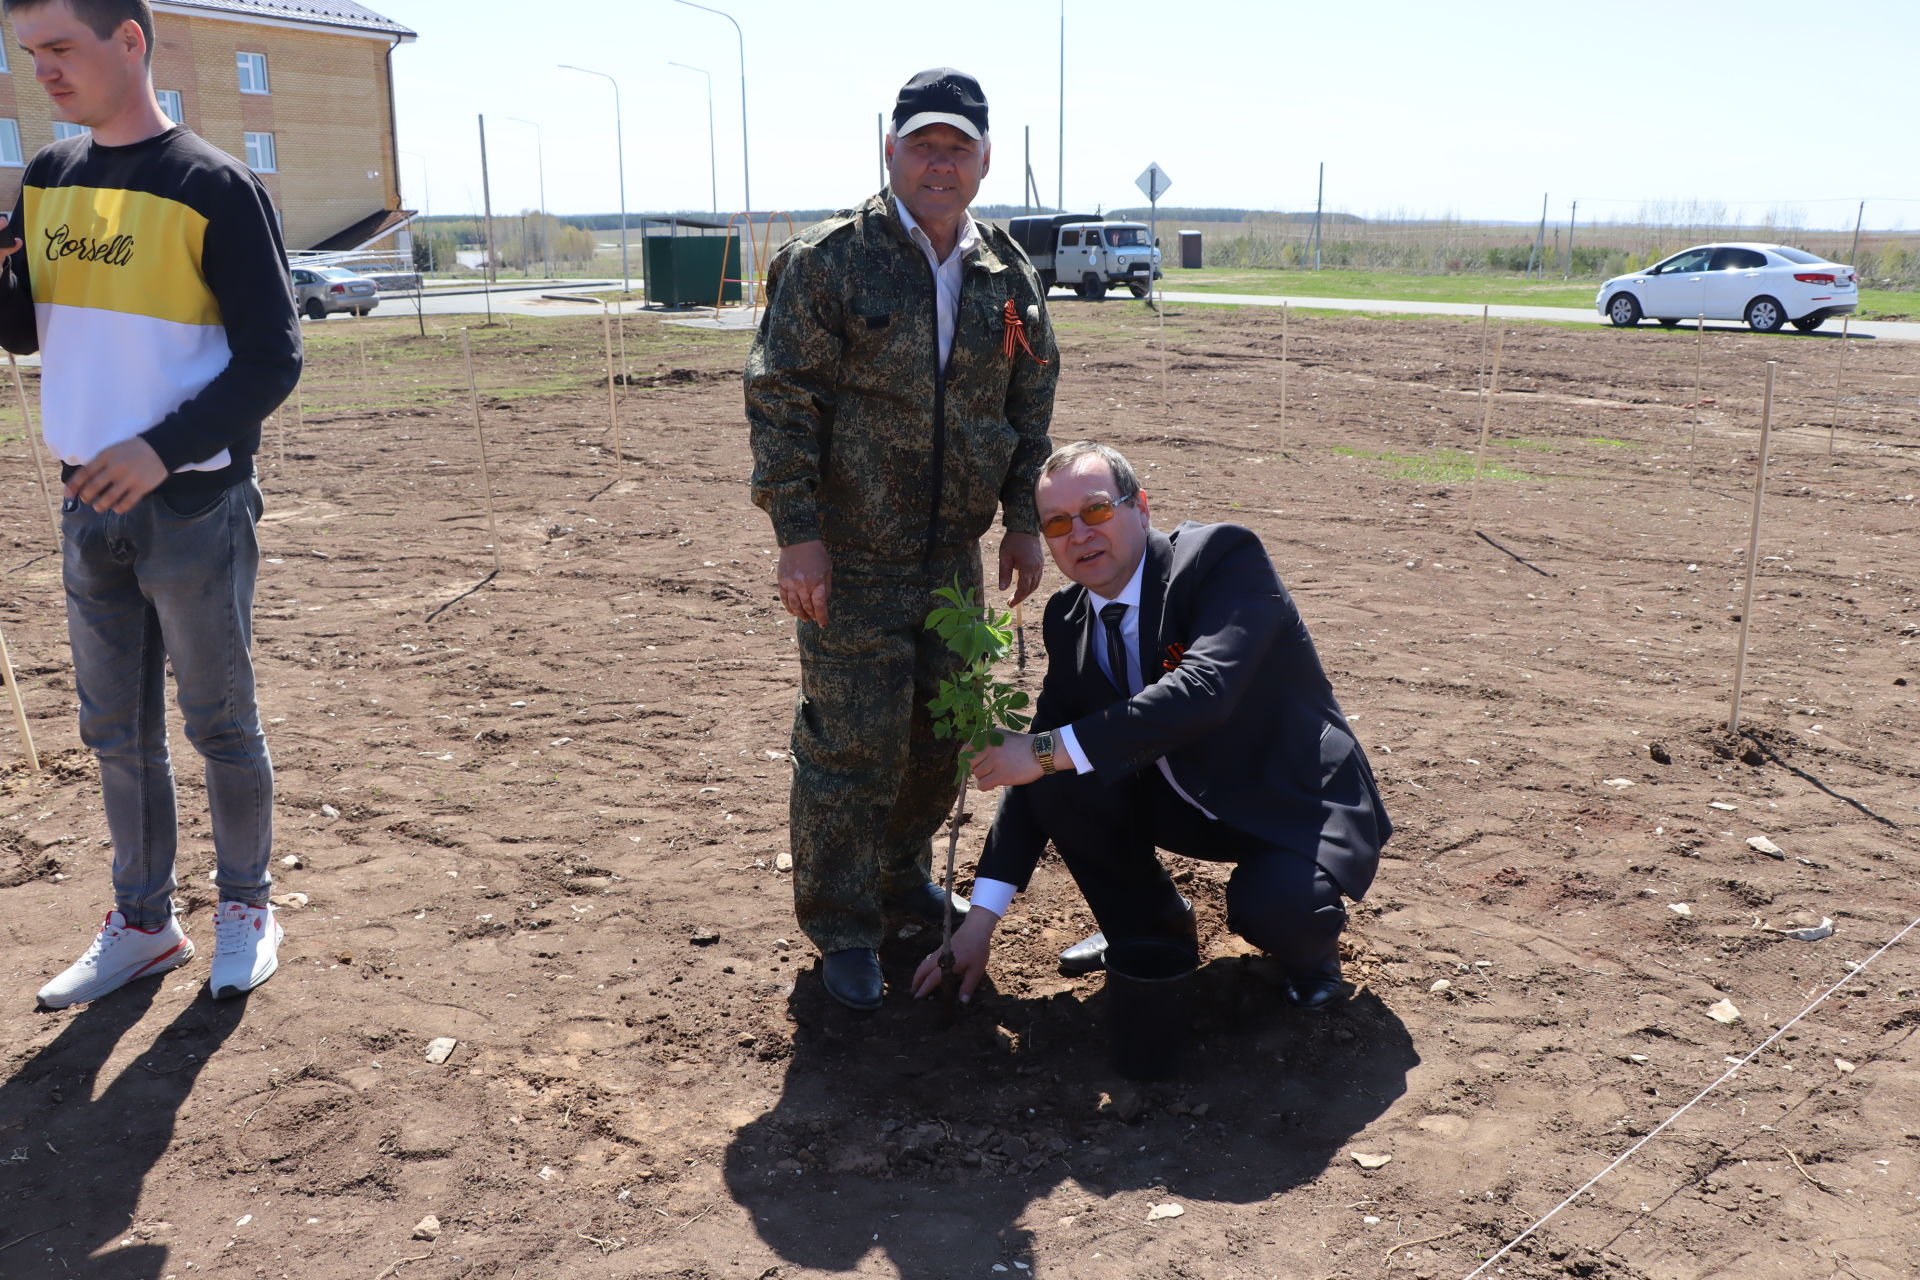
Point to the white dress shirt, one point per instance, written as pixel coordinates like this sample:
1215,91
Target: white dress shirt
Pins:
946,274
997,895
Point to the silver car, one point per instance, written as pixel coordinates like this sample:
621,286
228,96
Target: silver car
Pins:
321,291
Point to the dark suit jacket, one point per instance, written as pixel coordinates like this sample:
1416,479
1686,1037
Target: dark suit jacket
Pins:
1242,710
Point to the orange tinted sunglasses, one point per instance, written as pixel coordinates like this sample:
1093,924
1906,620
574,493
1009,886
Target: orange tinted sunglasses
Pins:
1091,514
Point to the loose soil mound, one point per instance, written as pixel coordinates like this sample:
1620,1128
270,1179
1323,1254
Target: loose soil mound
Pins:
539,813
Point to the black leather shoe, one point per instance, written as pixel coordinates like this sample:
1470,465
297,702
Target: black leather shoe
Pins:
1089,955
928,904
1317,992
853,977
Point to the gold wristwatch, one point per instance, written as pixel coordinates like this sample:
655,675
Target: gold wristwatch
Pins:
1043,751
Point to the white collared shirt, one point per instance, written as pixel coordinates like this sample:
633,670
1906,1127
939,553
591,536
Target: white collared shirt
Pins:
946,275
997,895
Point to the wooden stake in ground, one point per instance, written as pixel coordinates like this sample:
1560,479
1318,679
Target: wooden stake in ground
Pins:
1166,392
34,448
1839,382
1284,334
486,477
19,707
1480,378
620,324
361,339
613,402
1699,339
1753,548
1486,420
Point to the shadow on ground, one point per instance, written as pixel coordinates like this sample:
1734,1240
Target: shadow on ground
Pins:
76,1156
958,1129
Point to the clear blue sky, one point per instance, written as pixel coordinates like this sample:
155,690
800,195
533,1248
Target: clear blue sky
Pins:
1473,108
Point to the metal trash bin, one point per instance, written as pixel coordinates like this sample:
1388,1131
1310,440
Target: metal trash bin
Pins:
685,271
1190,250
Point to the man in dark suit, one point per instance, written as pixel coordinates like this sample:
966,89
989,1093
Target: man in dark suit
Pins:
1221,739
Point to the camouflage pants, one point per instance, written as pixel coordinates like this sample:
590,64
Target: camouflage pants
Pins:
871,784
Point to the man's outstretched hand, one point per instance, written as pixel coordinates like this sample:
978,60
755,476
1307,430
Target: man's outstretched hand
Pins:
972,942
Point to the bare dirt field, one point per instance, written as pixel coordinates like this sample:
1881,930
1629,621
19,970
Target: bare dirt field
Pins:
540,814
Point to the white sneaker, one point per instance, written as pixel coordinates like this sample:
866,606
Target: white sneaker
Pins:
246,948
119,954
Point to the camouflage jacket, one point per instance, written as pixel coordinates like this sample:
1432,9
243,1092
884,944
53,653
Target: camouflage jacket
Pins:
857,437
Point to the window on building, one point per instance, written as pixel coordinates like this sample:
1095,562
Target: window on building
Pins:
171,104
3,57
253,72
10,143
261,156
63,129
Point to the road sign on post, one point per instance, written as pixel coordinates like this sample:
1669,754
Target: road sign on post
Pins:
1153,184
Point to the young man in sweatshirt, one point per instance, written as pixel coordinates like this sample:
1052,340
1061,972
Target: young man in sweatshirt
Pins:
146,266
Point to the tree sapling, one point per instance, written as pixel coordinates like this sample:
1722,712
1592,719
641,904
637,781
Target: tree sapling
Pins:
971,706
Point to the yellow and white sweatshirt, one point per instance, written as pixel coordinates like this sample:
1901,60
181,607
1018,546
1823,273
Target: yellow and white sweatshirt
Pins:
153,280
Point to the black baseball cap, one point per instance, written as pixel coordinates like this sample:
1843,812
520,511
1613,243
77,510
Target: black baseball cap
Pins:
941,96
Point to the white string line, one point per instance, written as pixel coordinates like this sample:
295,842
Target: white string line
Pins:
1728,1075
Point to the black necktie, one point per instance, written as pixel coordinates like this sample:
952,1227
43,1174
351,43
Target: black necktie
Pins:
1117,663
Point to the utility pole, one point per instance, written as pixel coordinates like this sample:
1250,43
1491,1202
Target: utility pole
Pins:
1573,217
486,197
1060,196
1853,256
1026,183
1319,202
1539,254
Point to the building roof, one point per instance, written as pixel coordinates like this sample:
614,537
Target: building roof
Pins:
373,227
324,13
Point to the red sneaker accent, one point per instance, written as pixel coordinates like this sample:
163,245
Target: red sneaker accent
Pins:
159,959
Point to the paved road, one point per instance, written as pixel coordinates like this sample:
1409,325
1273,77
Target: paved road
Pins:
528,301
508,298
1895,331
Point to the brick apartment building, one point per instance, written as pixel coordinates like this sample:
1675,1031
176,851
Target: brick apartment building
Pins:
301,90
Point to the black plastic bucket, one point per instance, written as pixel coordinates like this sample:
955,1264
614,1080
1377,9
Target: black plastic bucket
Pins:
1150,1005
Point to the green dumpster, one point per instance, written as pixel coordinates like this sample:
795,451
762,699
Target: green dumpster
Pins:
685,271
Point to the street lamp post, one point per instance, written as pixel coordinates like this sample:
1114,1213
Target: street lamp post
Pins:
746,165
713,179
620,154
540,160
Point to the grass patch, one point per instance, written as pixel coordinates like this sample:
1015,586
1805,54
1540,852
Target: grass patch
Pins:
1443,466
1500,288
1520,442
1884,304
1611,444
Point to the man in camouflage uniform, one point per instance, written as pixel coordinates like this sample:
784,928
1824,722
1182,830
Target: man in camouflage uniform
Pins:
898,392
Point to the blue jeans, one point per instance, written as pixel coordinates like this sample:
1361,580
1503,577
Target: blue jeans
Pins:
144,588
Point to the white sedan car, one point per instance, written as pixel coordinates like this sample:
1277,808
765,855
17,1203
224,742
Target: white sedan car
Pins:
1766,285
